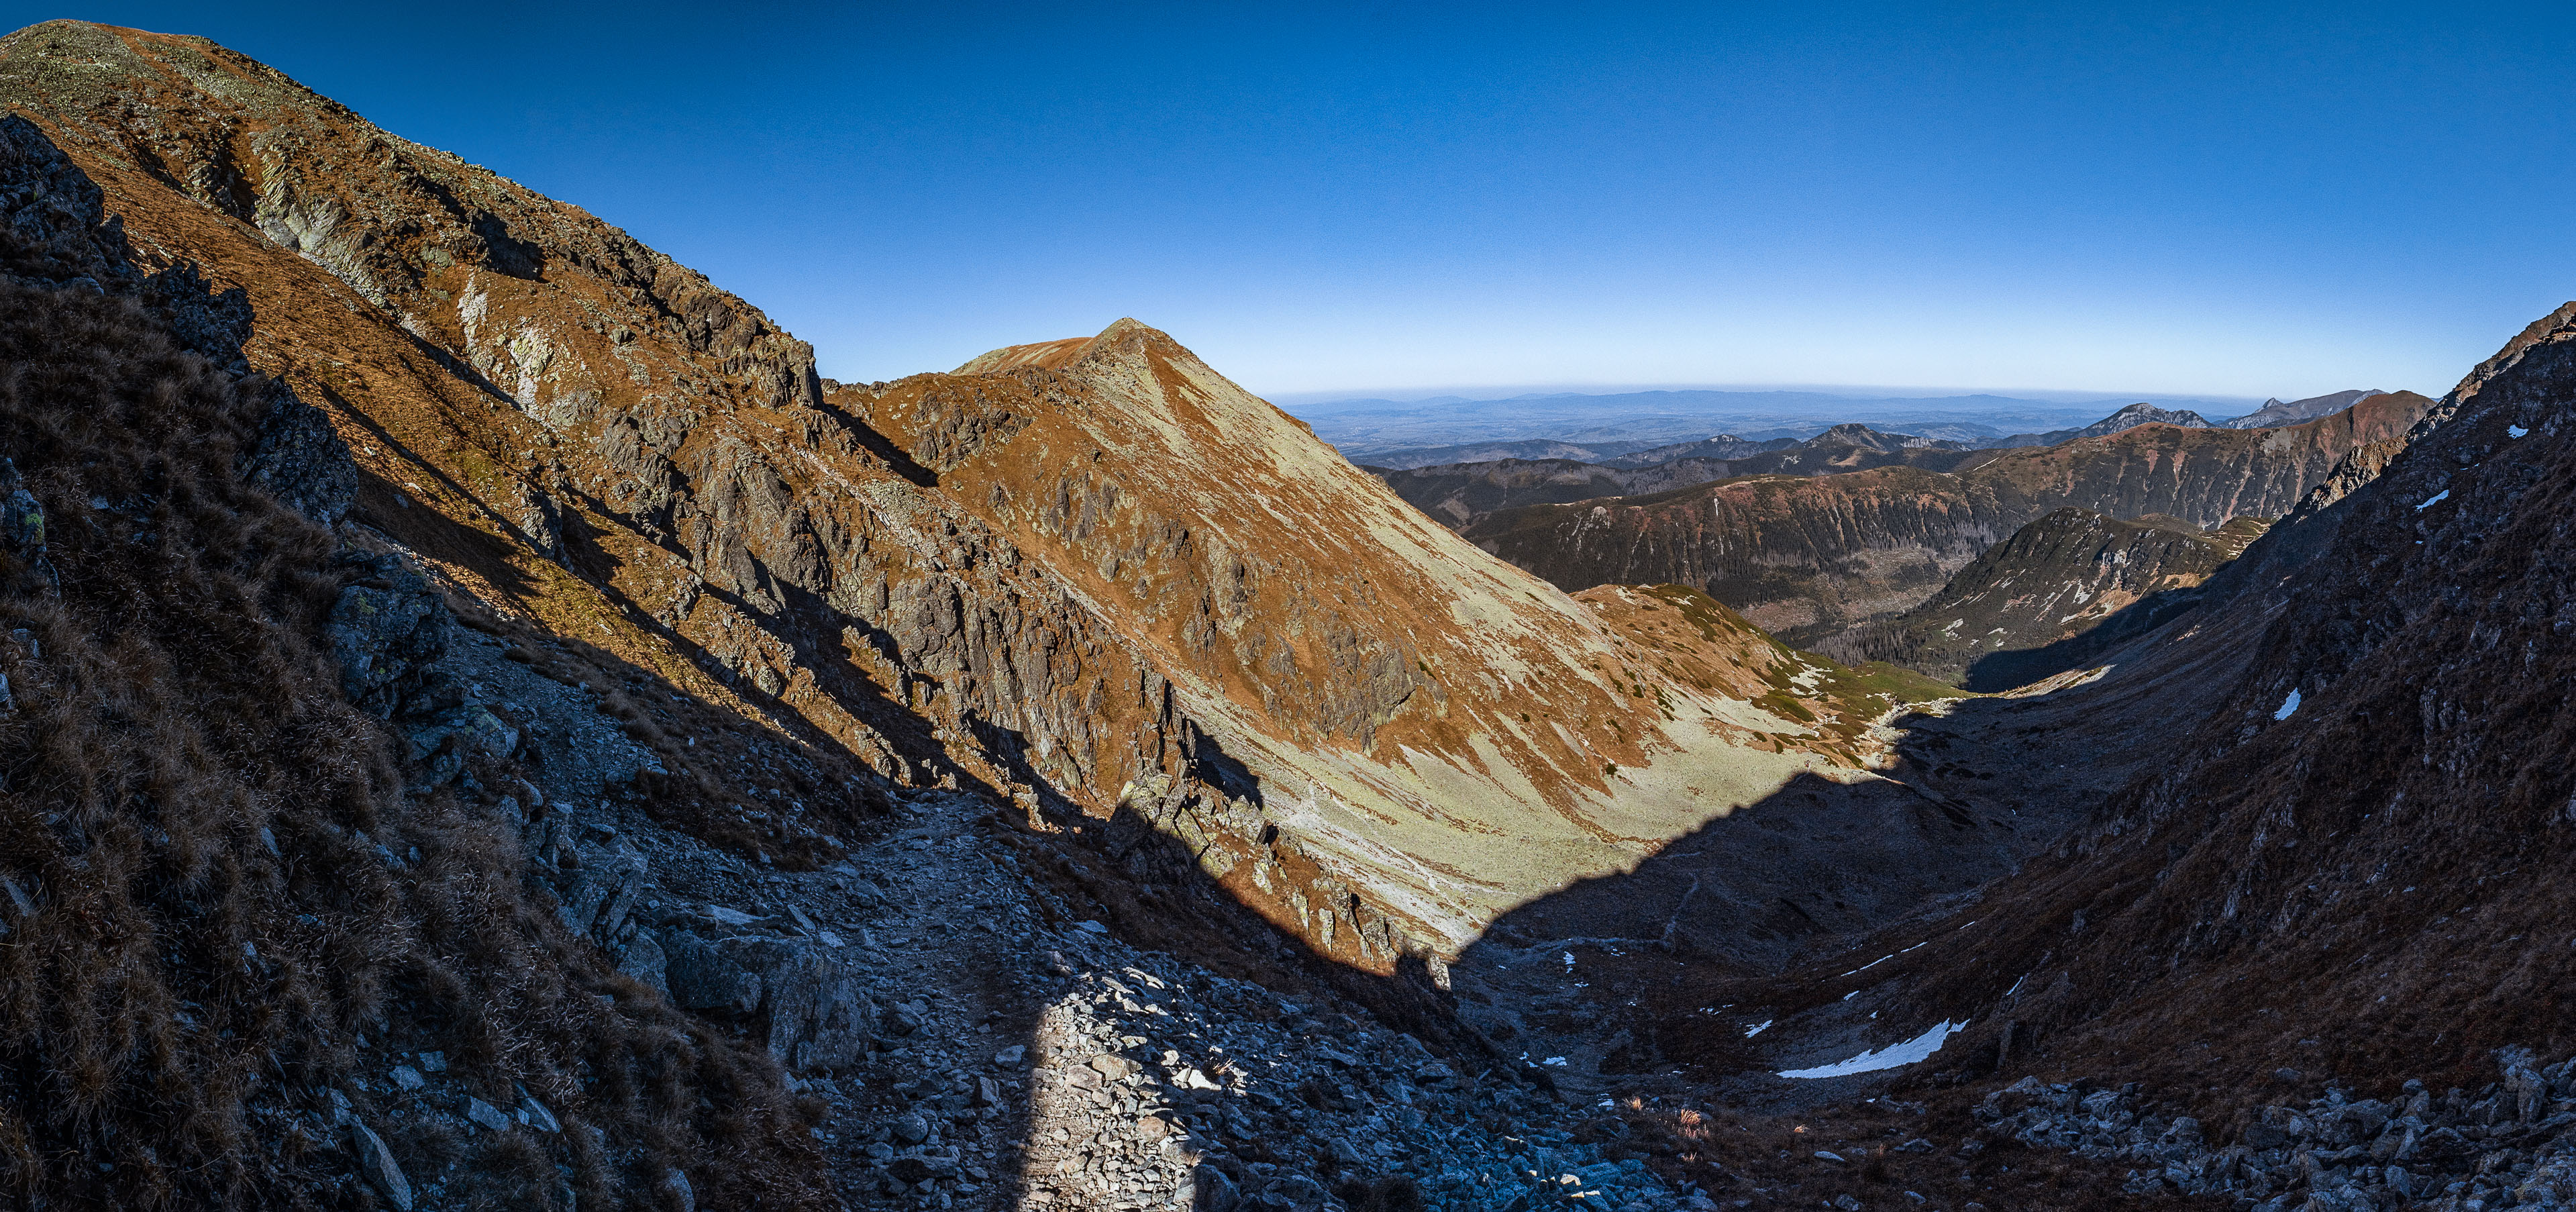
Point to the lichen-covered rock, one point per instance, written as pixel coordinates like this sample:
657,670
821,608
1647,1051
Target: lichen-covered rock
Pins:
387,632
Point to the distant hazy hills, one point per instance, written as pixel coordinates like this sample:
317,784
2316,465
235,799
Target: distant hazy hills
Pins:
1454,429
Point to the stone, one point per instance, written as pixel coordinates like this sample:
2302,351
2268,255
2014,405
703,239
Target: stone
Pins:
678,1185
1011,1055
1152,1129
376,1163
1211,1191
705,976
407,1078
485,1114
644,960
1112,1066
387,633
299,459
539,1117
908,1128
433,1062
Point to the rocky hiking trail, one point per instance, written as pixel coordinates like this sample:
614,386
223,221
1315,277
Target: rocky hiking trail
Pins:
1028,1066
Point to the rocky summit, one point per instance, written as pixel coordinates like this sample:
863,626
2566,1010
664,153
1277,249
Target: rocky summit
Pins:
484,724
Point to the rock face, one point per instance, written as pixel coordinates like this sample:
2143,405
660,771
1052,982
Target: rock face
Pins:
2037,603
1459,493
1808,558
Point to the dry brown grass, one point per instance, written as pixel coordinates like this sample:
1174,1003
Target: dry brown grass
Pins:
194,812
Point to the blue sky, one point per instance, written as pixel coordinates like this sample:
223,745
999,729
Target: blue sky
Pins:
2238,200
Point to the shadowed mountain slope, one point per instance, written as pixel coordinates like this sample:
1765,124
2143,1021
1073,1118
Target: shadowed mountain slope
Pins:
241,872
1090,574
1807,558
2383,666
2032,605
1458,494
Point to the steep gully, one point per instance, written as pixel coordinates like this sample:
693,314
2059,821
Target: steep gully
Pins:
1025,617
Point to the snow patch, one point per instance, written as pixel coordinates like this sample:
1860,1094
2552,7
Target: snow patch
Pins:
2288,705
2516,431
1919,1048
1757,1028
2435,499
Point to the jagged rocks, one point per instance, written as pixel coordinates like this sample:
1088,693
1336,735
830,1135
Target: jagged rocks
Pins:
2511,1145
387,632
300,460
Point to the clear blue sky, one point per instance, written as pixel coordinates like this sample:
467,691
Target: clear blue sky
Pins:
2238,199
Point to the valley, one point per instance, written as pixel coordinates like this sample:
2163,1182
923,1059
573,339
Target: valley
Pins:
484,723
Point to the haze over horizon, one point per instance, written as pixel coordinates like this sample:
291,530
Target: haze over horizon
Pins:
1292,401
2184,201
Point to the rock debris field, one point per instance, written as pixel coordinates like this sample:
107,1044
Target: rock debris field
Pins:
1071,1070
2511,1144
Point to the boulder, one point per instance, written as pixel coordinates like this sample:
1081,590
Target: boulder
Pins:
387,632
805,1003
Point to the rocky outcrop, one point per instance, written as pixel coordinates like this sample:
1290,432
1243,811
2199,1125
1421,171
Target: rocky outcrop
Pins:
1808,558
387,631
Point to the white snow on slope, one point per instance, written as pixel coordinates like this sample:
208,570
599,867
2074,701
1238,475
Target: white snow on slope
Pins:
1920,1047
2515,431
2288,705
2435,499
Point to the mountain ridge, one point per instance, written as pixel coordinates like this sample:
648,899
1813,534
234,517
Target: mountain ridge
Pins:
1805,558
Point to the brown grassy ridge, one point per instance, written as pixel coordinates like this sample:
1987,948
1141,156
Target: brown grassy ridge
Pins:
192,814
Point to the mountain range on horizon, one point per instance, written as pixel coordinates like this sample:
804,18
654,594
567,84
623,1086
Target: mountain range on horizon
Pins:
1389,433
485,724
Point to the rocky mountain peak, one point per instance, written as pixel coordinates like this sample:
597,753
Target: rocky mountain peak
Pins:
2138,414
